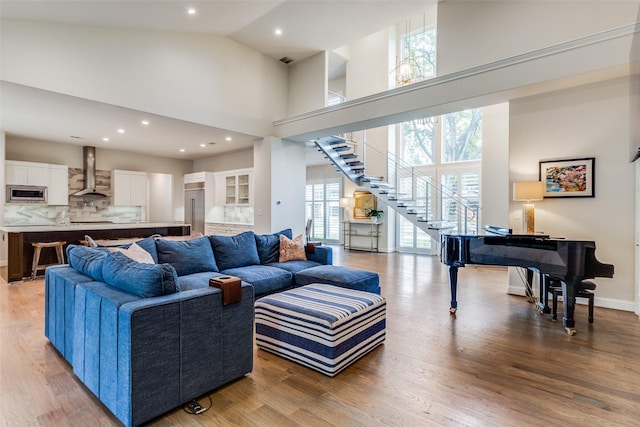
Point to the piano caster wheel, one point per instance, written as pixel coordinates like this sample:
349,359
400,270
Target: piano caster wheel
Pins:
570,331
452,310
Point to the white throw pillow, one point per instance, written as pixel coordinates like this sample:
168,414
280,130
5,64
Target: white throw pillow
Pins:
136,253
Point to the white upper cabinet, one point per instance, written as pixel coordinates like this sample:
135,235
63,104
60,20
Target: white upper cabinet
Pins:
190,178
129,188
54,177
26,173
234,188
58,190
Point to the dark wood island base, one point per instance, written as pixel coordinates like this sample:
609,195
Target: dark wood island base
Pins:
20,240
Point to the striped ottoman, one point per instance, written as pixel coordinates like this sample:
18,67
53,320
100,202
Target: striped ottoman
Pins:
324,327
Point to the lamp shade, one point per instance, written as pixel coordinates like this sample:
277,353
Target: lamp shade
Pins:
528,191
347,202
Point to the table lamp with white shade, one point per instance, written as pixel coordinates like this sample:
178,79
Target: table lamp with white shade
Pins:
348,203
528,192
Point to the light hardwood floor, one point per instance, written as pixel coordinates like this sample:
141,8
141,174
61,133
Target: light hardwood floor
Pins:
497,363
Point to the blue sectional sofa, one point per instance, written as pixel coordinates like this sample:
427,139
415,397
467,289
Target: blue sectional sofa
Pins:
147,338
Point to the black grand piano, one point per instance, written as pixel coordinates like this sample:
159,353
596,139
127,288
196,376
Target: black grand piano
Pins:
569,261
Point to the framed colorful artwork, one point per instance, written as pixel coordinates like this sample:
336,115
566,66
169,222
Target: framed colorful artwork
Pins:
568,177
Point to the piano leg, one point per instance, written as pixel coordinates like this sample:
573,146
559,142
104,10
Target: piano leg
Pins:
543,303
568,306
453,282
528,290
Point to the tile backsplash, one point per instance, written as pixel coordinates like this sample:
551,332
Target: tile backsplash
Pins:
238,214
80,209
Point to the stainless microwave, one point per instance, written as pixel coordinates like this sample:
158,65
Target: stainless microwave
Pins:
26,194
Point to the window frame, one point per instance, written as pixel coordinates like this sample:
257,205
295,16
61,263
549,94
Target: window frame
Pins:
326,224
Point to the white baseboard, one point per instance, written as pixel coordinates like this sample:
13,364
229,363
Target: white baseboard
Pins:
3,263
615,304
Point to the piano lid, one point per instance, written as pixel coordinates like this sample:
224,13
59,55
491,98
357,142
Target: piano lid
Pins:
495,229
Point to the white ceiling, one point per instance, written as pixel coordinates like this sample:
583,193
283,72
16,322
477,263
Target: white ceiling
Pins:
309,27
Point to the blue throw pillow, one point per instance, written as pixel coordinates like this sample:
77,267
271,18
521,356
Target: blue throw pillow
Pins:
149,245
86,260
235,251
187,257
269,245
143,280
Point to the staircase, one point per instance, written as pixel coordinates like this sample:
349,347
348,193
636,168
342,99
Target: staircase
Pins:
430,207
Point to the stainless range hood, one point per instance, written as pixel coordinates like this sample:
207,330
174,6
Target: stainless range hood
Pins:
89,163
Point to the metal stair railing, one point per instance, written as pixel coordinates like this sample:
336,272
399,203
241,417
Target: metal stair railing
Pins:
408,191
408,186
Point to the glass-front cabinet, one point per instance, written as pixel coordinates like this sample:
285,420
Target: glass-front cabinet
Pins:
237,188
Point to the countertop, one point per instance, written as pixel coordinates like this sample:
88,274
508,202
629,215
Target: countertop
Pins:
86,226
228,223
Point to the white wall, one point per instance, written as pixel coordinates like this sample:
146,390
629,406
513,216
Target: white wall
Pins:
338,85
241,159
320,172
160,206
195,77
279,182
588,121
495,165
308,84
472,33
368,73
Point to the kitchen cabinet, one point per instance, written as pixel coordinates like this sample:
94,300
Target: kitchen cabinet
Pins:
234,188
129,188
26,173
190,178
58,189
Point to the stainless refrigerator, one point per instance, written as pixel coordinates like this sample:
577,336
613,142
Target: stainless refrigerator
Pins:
194,209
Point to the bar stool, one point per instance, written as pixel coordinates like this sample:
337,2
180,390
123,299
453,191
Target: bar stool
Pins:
585,289
35,265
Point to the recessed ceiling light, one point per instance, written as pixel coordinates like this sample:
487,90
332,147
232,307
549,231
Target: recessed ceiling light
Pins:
278,31
120,130
228,138
203,145
191,11
182,150
145,122
105,139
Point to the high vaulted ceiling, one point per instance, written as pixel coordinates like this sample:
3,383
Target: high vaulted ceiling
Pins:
308,27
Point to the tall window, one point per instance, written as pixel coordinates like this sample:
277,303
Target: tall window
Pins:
448,149
322,201
462,136
417,56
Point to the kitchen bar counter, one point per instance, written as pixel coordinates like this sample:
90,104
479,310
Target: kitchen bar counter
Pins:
23,228
21,237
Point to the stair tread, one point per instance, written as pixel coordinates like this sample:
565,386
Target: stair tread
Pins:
341,153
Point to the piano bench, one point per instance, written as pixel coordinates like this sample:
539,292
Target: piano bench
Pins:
585,289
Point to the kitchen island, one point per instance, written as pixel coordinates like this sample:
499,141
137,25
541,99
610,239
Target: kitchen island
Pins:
20,238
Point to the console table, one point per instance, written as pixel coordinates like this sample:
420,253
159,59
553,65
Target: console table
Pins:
361,235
